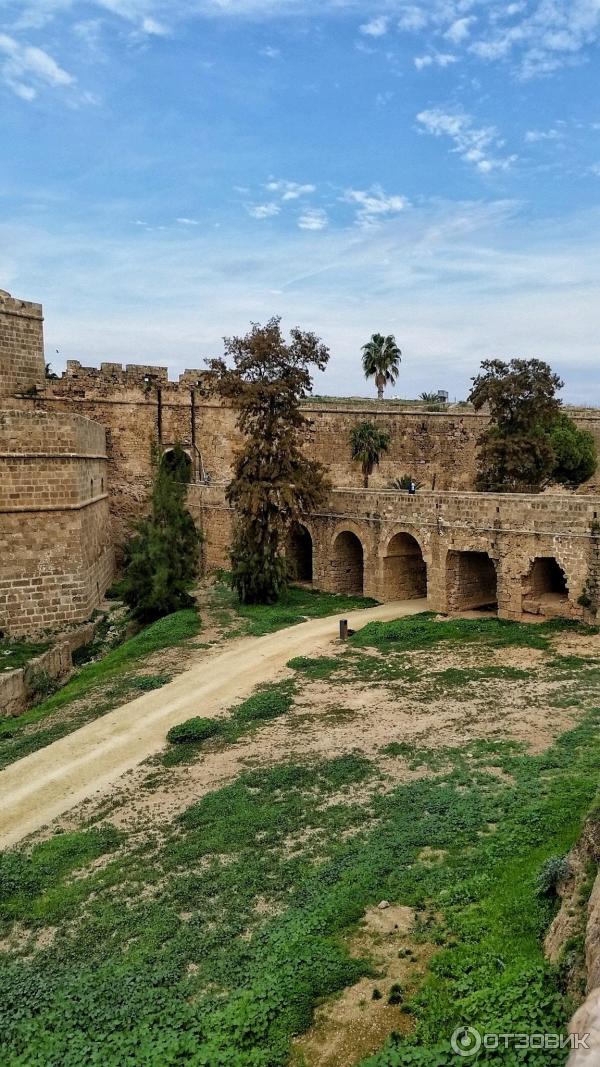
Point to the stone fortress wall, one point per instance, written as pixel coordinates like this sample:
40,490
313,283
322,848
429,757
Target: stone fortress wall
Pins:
465,549
56,550
527,554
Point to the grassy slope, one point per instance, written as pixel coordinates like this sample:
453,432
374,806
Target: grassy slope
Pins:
108,677
204,876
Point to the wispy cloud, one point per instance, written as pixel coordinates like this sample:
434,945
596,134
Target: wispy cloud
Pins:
377,27
289,190
263,211
474,144
460,30
435,59
313,219
372,205
535,136
187,222
26,69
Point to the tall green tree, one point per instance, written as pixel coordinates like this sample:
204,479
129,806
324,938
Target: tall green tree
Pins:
381,361
274,483
162,558
530,440
575,452
367,443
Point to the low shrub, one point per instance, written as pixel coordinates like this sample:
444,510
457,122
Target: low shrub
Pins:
554,871
194,730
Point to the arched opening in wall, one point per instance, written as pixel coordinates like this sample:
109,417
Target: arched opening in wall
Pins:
404,569
347,564
471,582
545,589
299,552
179,465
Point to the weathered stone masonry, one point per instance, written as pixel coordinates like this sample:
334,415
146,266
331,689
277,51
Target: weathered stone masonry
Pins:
56,553
464,540
467,550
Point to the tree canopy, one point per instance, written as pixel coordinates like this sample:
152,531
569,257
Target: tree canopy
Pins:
274,483
162,558
381,361
367,442
530,441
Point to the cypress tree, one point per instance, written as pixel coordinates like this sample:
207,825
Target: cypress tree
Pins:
162,558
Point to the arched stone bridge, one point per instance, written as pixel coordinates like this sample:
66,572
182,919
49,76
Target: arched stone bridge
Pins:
510,553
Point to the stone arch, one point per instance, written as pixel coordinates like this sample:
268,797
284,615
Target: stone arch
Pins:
471,581
347,563
545,590
404,568
299,553
166,461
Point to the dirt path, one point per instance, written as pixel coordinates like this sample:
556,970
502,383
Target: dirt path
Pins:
49,782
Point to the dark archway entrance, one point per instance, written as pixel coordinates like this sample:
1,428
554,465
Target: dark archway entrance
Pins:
471,582
545,589
404,569
300,554
347,565
179,464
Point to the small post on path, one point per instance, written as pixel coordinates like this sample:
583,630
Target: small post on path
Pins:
343,629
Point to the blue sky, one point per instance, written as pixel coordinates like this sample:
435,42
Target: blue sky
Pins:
171,171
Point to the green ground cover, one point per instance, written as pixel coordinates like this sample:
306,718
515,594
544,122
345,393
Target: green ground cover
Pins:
296,606
108,682
209,940
15,654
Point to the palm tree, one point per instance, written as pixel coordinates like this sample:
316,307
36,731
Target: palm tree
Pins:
367,443
381,361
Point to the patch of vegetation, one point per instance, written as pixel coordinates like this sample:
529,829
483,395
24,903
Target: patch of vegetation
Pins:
228,930
16,654
194,730
267,703
19,736
426,629
295,605
27,879
318,667
553,871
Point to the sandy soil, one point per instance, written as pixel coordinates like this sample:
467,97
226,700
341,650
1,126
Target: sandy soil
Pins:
49,782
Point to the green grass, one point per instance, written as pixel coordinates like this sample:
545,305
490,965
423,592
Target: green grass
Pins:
424,631
266,703
212,942
295,606
15,654
18,736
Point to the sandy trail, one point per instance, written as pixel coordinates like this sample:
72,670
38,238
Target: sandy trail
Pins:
49,782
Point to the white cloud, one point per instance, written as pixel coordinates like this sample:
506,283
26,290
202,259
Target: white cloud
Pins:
187,222
372,205
376,27
460,30
269,52
26,69
437,59
313,219
264,211
595,170
154,28
412,19
290,190
472,143
544,37
535,136
455,282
